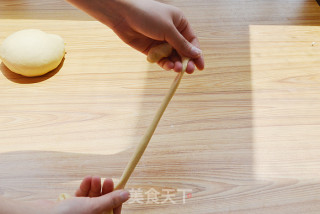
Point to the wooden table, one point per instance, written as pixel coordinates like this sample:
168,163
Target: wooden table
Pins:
242,136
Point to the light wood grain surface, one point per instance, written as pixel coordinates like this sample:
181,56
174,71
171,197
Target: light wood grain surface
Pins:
243,134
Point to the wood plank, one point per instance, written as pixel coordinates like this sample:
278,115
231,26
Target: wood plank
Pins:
242,134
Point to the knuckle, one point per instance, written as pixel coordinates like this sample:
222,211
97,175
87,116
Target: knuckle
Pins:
185,45
176,10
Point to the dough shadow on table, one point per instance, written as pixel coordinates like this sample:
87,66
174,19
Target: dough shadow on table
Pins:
17,78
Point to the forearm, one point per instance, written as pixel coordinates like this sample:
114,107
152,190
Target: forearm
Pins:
106,11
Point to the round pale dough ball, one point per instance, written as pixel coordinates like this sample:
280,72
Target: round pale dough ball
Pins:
32,52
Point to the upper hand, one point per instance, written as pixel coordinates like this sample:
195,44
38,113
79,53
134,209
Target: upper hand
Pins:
146,23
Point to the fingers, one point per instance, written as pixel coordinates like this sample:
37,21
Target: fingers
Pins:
166,64
107,186
183,46
174,62
185,42
190,67
177,66
91,187
95,190
180,36
110,201
199,62
84,188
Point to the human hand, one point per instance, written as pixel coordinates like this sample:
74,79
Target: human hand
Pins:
92,198
144,24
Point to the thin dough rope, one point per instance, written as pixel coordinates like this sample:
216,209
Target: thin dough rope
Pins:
164,50
148,134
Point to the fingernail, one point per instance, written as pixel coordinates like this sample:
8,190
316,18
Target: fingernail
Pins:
124,195
196,51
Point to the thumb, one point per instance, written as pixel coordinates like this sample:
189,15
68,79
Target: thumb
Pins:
110,201
182,45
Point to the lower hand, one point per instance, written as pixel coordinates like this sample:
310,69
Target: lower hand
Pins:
92,198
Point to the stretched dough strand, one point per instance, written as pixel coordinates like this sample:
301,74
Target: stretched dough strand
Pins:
147,136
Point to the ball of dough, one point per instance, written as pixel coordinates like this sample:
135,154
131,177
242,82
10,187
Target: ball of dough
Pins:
32,52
